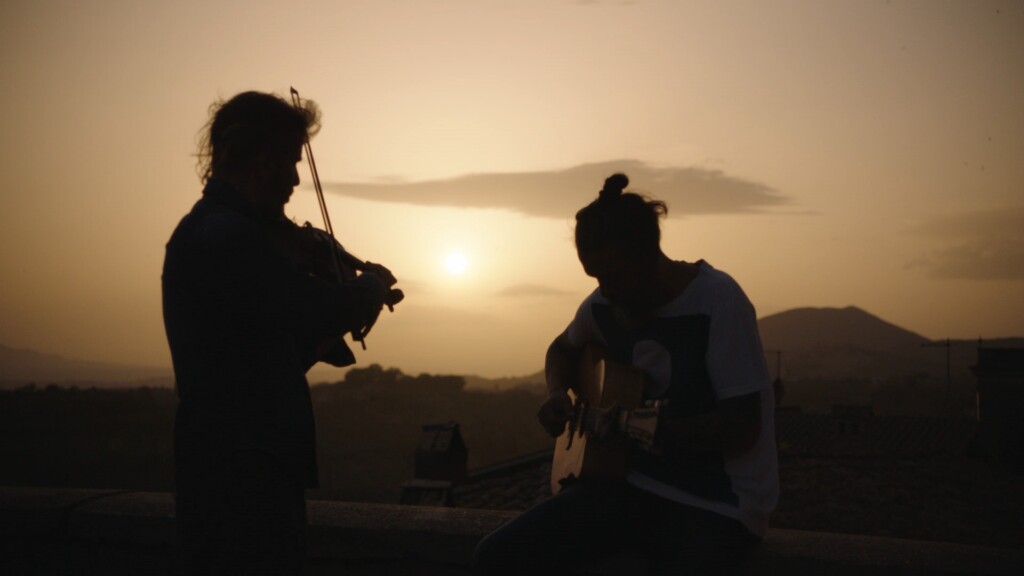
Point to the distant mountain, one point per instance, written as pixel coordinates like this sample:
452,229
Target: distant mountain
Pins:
19,367
533,381
849,343
816,328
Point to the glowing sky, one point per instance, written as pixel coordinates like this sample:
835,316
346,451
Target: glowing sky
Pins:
823,153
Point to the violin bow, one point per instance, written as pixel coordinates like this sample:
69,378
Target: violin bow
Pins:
297,102
360,335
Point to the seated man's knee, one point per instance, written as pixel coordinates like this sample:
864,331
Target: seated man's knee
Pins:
487,557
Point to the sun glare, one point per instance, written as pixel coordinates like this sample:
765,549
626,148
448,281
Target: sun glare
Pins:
456,263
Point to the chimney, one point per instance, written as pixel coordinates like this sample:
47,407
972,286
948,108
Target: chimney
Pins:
440,463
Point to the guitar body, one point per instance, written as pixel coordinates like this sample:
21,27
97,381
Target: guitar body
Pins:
579,456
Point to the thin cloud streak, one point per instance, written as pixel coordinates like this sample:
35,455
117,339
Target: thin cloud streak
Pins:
532,291
559,194
982,245
414,316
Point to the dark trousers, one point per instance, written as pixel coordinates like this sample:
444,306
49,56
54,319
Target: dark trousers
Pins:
242,514
586,522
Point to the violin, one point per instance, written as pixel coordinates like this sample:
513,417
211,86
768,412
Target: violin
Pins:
318,253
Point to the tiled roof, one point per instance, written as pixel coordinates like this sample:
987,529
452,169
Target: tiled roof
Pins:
828,435
513,485
520,483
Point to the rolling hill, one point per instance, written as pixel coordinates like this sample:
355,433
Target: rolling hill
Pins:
808,343
19,367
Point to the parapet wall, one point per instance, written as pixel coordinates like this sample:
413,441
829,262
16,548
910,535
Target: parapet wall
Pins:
66,531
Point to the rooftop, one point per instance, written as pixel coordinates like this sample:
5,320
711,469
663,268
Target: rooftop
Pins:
67,531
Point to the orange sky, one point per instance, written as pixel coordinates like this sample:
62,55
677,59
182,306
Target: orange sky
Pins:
823,153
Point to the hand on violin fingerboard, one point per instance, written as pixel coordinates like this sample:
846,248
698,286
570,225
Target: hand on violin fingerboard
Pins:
381,272
394,295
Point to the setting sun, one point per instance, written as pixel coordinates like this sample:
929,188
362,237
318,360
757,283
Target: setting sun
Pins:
456,263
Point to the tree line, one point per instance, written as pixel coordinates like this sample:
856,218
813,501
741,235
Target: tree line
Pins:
368,426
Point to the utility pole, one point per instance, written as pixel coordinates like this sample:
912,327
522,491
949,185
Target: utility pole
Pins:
778,362
948,345
777,383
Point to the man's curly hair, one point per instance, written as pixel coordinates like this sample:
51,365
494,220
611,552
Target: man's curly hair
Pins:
250,124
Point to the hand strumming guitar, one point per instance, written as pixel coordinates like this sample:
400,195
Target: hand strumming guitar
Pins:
638,424
555,412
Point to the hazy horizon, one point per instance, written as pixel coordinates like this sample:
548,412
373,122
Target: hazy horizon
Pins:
824,154
793,339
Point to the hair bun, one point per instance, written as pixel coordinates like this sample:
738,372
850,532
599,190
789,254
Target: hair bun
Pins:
613,186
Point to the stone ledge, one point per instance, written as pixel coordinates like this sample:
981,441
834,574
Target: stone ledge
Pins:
839,554
353,538
372,531
41,511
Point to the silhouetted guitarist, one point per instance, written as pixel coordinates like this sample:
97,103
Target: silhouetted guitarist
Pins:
699,496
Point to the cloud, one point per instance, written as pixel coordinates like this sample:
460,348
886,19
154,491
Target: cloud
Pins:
616,2
435,317
532,290
559,194
981,245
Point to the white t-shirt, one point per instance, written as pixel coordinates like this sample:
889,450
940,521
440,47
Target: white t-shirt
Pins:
702,347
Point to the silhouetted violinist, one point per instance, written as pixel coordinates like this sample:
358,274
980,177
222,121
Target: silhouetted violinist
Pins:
251,301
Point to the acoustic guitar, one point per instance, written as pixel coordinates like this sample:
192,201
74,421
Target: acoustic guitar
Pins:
603,385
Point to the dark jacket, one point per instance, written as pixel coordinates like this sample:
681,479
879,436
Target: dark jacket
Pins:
241,319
